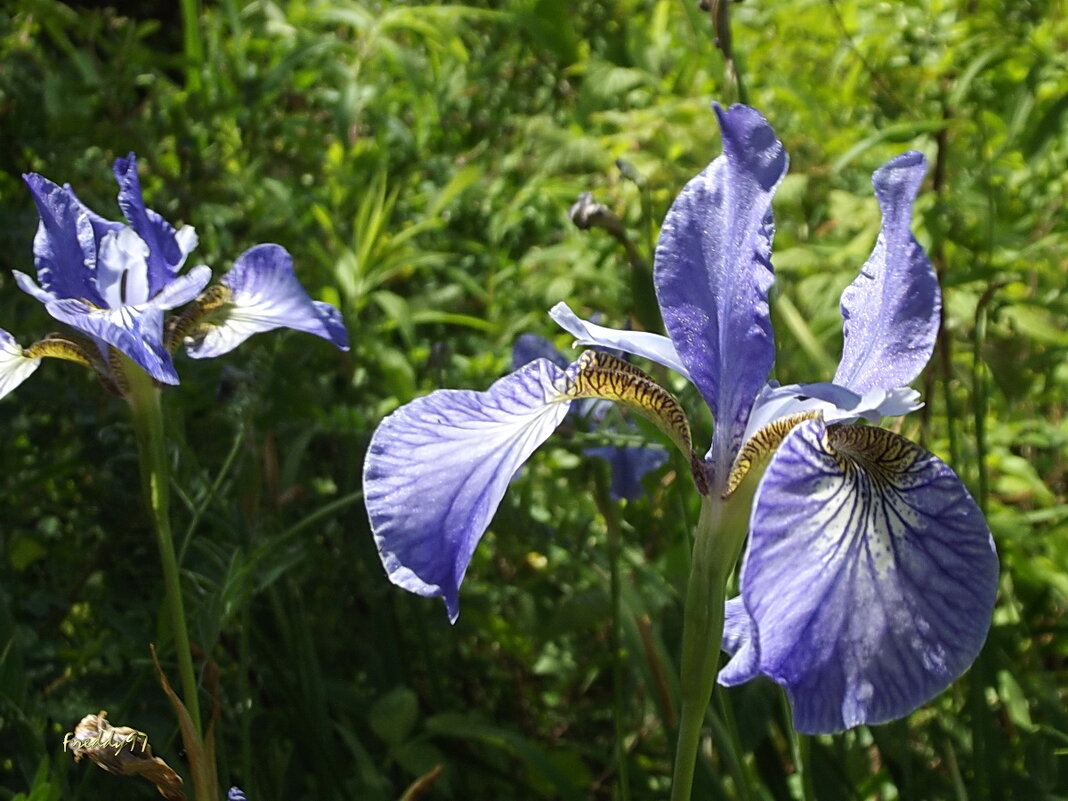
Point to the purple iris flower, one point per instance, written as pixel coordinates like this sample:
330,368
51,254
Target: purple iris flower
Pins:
869,577
113,281
235,794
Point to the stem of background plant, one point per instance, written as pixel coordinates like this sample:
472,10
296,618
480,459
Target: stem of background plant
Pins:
192,44
610,512
800,745
720,533
145,405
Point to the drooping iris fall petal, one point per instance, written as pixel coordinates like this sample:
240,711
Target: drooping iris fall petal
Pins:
437,468
262,294
15,365
869,578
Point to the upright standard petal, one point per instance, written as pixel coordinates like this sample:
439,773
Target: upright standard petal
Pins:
15,365
165,254
870,575
713,271
891,311
261,294
437,468
64,249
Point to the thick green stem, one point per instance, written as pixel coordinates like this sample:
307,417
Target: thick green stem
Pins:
145,404
720,532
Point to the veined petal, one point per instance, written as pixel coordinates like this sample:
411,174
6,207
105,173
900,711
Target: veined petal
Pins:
165,252
64,248
437,468
870,575
15,365
264,294
629,465
136,331
655,347
891,311
713,272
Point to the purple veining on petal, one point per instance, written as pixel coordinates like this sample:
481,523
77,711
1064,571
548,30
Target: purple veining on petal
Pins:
870,575
437,468
264,295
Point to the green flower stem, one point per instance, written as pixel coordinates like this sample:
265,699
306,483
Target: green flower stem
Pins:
145,405
720,533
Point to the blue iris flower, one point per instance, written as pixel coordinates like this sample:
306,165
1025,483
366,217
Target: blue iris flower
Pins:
235,794
869,577
112,282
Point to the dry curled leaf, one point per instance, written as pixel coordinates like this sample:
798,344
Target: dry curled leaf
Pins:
124,751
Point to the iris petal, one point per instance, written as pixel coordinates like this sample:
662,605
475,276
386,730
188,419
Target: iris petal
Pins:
655,347
892,310
64,248
264,295
713,271
740,641
15,365
835,403
183,289
870,575
137,331
437,468
165,252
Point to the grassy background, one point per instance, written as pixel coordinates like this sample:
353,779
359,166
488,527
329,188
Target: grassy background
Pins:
418,159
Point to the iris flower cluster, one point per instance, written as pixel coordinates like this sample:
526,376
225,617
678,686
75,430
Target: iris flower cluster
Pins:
869,575
111,282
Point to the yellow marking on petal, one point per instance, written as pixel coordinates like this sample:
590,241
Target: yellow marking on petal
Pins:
761,445
882,454
601,375
190,321
58,347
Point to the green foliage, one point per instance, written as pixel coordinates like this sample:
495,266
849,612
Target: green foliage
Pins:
418,159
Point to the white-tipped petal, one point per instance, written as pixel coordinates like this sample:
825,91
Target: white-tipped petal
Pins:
15,365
